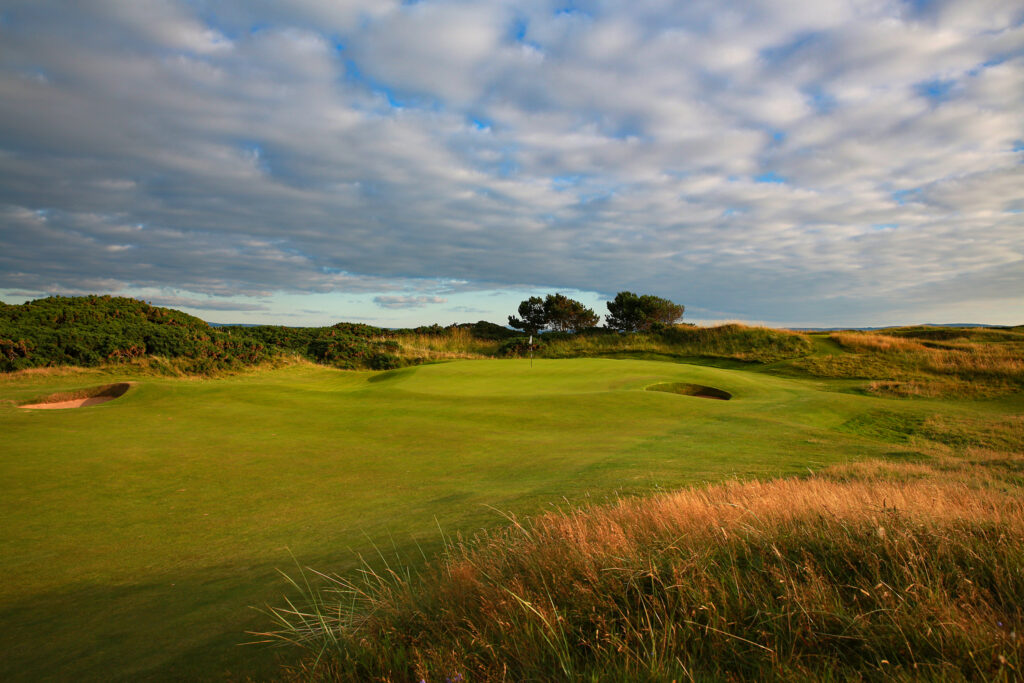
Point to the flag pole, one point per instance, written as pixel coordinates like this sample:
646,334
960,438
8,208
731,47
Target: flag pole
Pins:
531,350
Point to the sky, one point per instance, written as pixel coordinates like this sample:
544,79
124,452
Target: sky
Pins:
792,162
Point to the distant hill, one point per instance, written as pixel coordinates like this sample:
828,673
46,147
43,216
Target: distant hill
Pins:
895,327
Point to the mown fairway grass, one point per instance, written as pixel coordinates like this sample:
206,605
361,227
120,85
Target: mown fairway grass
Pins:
137,534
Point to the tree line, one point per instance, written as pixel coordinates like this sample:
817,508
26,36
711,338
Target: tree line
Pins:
627,312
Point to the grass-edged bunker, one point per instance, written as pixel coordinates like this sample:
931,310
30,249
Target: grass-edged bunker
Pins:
82,398
696,390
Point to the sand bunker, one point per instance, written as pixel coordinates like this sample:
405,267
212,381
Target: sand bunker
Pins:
696,390
81,399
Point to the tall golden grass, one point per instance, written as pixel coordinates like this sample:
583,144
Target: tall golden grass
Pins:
454,343
907,569
907,367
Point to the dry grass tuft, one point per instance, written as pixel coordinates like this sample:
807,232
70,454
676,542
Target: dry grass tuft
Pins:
454,343
904,569
734,341
904,367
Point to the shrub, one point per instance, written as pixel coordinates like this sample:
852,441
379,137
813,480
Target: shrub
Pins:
519,346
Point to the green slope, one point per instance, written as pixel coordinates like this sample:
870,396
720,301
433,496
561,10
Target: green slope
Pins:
138,533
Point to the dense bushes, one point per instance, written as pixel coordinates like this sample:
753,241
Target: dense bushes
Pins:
93,330
519,346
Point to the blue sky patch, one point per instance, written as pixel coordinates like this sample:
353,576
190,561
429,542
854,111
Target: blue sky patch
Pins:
938,90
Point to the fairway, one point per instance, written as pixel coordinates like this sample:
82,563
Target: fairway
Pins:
138,533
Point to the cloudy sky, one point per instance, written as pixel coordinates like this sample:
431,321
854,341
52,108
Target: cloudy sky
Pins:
800,162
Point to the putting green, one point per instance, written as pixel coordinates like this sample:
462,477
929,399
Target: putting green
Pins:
137,533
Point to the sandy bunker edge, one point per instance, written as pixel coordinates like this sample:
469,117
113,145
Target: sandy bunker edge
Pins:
695,390
82,398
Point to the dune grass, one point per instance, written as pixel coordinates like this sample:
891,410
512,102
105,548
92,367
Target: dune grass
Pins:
454,343
733,341
887,570
973,364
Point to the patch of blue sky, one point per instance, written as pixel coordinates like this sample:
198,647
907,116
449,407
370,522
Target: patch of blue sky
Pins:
508,166
206,14
518,30
394,98
920,5
881,227
901,197
565,182
822,101
595,196
771,177
631,129
937,90
569,9
481,123
780,53
1018,145
733,211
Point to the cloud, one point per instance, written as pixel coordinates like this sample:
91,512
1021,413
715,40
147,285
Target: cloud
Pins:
449,145
407,301
184,302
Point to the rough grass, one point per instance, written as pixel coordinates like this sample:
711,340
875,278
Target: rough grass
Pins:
903,366
734,341
455,343
910,568
812,579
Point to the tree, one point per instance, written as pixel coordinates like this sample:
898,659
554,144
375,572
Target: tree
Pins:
629,312
568,315
532,318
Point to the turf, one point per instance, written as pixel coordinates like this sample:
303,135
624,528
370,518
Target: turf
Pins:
138,533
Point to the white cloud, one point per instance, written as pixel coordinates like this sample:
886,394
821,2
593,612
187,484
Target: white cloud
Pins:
407,301
613,147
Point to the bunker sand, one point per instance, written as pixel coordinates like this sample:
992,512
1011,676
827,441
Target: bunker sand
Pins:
89,397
